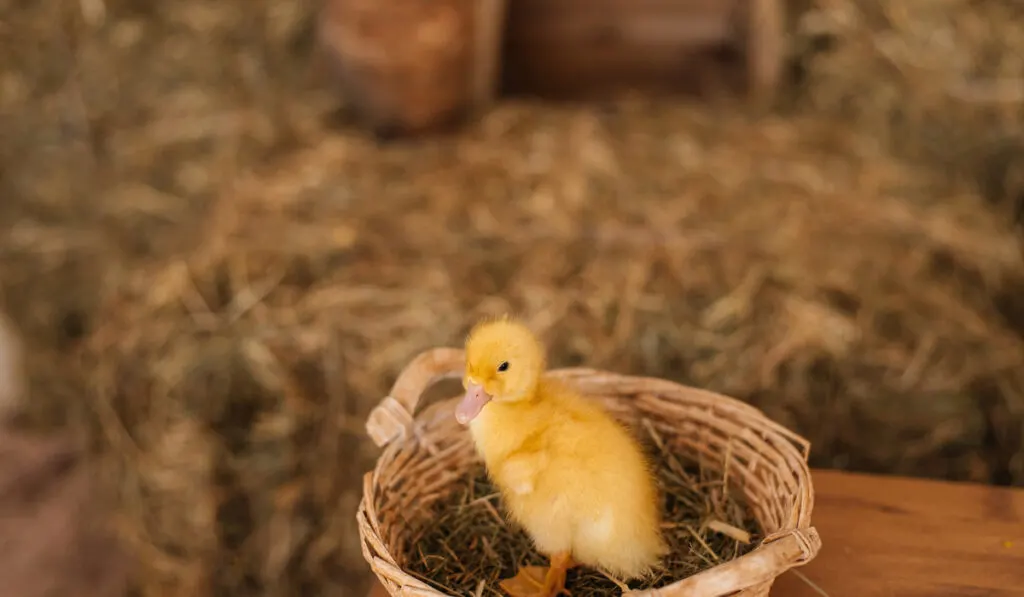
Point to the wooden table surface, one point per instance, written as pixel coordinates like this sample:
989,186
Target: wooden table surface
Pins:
897,537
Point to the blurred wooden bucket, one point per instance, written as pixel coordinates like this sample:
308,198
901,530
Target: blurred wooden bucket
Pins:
410,66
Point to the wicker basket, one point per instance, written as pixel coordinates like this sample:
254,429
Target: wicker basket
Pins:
425,454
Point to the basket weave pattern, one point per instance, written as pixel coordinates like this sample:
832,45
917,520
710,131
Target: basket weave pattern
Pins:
428,452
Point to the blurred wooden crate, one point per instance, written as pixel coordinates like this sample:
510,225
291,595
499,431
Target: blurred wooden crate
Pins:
584,49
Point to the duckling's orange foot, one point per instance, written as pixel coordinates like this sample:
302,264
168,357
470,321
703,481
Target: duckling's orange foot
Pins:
528,582
538,581
535,581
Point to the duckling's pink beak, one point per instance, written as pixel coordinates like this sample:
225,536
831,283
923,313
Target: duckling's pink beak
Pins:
471,404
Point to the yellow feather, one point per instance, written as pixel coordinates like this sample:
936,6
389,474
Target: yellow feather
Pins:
569,474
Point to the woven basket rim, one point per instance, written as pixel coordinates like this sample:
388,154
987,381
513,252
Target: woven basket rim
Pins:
395,422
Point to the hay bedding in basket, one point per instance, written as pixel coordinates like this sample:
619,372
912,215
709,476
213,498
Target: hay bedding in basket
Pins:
466,546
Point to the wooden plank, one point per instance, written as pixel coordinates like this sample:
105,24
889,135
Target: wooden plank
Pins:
765,40
488,35
897,537
912,538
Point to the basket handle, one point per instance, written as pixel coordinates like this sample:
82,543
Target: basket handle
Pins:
778,553
392,418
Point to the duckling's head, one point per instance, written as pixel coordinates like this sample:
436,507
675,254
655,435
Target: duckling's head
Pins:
504,362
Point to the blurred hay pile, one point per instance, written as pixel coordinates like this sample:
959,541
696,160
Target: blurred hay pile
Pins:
938,80
249,283
847,296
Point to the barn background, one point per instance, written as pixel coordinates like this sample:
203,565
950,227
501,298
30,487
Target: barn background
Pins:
218,275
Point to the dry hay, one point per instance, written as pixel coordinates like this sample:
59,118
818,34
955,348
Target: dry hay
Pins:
467,547
237,322
121,119
940,81
848,296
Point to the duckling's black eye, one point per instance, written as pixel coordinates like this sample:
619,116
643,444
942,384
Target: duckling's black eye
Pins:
503,366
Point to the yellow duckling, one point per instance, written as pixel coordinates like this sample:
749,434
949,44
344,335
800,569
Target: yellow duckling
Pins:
575,479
